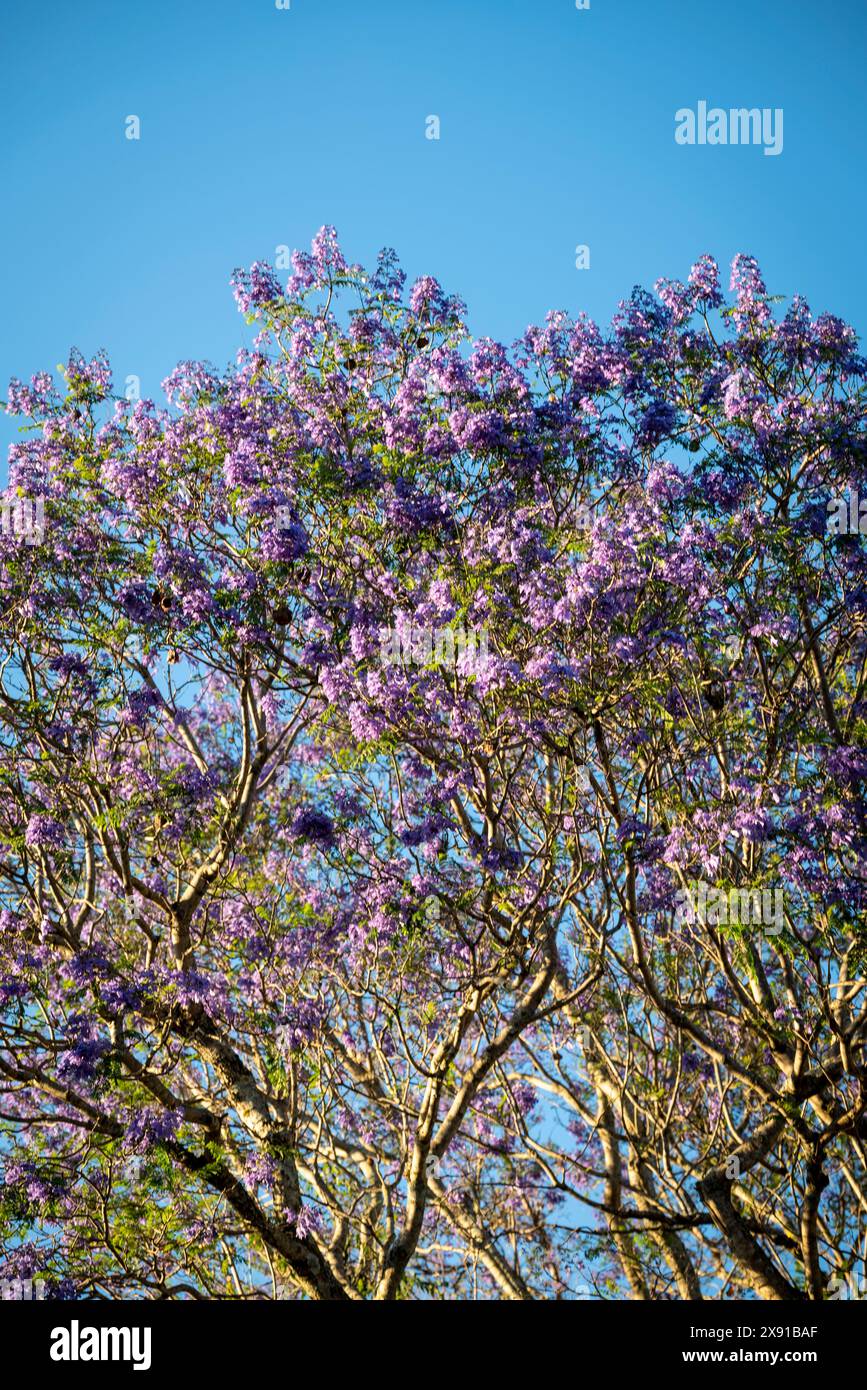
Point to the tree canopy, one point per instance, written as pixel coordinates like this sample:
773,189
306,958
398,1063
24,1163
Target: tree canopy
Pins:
432,839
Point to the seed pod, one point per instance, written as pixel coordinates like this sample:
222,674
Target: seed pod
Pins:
713,688
282,614
162,599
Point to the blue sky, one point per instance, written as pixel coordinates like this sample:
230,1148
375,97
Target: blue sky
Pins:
557,128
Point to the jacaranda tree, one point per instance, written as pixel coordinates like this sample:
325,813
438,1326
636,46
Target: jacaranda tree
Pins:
432,819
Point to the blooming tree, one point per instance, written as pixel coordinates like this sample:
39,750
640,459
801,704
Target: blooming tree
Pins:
339,963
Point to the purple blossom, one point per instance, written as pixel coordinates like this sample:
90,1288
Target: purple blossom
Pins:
44,832
148,1127
255,288
313,825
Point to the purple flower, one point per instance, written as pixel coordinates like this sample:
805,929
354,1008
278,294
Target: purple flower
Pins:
676,298
751,297
140,705
705,284
135,600
658,420
44,832
326,252
79,1063
315,826
755,826
149,1127
847,765
256,287
89,378
260,1170
306,1222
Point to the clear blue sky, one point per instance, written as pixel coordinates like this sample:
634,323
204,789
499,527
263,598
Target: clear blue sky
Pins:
557,128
